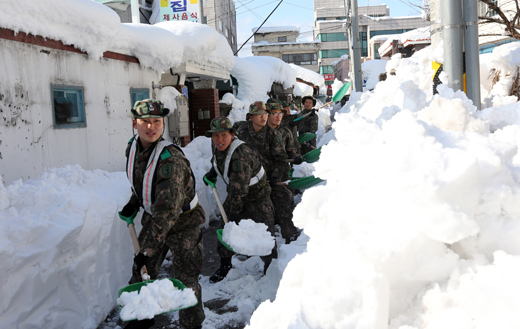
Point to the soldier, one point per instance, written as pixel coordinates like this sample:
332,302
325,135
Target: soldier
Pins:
288,122
266,141
172,214
248,192
308,124
281,196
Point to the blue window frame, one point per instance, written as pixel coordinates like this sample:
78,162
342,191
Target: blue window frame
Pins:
329,37
327,69
138,94
333,53
68,107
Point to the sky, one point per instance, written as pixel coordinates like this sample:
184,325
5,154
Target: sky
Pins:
251,13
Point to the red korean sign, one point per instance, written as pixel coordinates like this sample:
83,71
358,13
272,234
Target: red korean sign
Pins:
329,77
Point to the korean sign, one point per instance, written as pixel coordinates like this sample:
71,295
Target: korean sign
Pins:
180,10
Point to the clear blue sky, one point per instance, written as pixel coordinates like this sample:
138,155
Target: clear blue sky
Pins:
251,13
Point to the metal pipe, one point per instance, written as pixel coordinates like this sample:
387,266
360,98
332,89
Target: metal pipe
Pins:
452,35
134,4
471,52
356,56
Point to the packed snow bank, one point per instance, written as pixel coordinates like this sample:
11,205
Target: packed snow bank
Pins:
421,204
94,28
64,252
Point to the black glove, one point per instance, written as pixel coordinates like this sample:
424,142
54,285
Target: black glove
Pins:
139,261
234,218
297,160
128,210
273,180
211,176
313,112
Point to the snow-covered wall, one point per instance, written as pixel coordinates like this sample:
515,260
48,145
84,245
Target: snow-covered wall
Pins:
29,142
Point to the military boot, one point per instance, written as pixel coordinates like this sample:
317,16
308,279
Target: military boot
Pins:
140,324
220,274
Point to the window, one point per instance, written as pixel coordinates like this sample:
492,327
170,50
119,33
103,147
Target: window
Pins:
327,69
341,18
220,24
301,59
138,94
282,39
376,50
333,53
363,44
68,106
227,32
327,37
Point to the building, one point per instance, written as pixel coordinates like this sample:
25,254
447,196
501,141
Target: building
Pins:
281,42
221,15
330,22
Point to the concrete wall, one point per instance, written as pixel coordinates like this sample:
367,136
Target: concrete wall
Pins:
223,12
28,141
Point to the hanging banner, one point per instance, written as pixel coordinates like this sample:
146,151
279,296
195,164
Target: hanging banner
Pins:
179,10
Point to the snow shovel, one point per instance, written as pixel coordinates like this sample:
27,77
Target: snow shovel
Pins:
312,156
144,273
222,211
303,183
304,138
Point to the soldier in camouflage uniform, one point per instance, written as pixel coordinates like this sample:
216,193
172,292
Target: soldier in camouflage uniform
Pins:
248,192
288,122
308,124
172,214
266,141
281,196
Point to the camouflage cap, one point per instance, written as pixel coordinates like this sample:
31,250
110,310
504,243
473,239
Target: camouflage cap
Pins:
219,124
275,106
286,104
257,108
149,108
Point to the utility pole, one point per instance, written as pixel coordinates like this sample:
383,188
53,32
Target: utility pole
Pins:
452,34
471,52
355,46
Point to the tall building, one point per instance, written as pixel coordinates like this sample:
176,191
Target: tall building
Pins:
221,15
330,19
281,42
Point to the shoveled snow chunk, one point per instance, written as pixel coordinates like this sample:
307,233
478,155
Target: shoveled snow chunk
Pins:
248,238
155,298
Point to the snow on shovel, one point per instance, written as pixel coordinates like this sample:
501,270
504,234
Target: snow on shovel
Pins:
144,300
247,238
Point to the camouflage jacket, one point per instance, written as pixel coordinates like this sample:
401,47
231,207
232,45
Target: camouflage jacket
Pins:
286,120
244,165
308,124
173,188
269,144
288,143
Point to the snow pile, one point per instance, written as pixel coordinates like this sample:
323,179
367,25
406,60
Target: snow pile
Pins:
421,202
371,71
248,238
64,251
255,76
94,28
156,297
168,96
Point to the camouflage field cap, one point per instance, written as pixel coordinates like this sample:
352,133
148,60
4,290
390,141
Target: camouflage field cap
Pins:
275,106
149,108
286,104
219,124
258,108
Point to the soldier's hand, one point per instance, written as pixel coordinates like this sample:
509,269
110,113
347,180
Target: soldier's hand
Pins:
128,213
234,218
298,160
211,176
140,260
313,111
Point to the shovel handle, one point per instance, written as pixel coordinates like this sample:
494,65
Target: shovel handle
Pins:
219,203
137,249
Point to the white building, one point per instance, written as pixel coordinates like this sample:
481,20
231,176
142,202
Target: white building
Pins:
330,17
281,42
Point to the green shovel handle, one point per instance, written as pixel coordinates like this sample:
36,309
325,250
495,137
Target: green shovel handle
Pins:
210,182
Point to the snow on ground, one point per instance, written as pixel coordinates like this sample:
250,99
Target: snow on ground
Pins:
248,238
94,28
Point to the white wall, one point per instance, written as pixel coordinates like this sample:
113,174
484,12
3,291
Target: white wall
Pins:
28,141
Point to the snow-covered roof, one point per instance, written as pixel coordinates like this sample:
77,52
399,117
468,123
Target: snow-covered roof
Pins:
418,36
308,76
273,29
94,28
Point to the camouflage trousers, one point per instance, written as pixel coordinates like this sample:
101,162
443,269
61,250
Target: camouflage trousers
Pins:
187,252
283,201
305,148
260,211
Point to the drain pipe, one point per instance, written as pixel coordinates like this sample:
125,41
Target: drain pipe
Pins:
471,52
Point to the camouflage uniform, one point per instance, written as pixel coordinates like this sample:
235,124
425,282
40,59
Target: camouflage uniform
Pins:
244,201
308,125
286,122
173,188
269,144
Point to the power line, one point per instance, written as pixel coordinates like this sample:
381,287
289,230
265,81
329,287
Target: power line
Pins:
259,26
